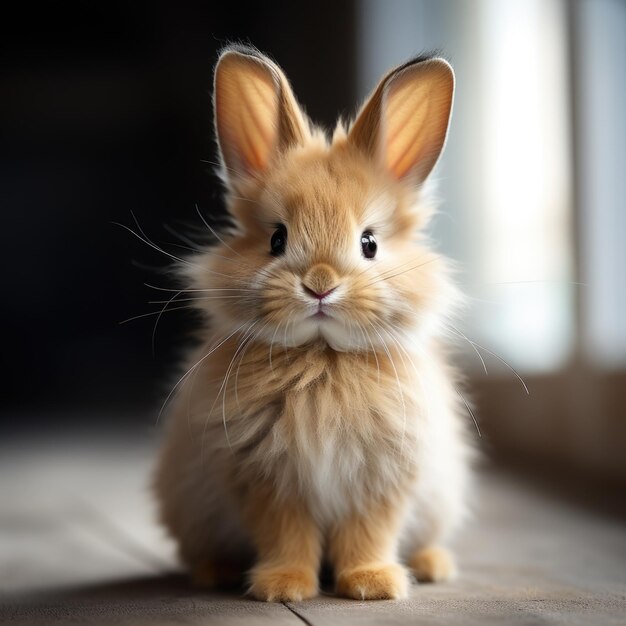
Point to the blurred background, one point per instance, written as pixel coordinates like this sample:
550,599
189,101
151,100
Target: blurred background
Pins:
106,113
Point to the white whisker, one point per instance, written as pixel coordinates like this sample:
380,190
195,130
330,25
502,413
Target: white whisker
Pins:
197,364
160,315
171,309
515,372
199,290
469,409
480,356
395,371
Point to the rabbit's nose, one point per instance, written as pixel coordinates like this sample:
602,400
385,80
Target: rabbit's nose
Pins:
320,281
314,294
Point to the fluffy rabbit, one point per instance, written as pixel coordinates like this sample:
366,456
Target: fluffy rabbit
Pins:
318,420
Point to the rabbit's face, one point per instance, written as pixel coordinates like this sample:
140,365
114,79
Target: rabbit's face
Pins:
328,247
329,251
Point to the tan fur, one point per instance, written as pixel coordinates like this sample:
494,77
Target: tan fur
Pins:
288,546
362,549
292,439
433,565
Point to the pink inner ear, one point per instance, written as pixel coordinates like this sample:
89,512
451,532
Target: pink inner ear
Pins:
246,112
258,138
405,141
415,113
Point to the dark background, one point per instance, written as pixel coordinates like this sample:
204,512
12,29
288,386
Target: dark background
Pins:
106,110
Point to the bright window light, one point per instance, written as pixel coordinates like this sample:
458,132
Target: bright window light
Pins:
525,260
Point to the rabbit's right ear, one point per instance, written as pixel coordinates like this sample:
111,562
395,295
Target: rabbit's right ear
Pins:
256,113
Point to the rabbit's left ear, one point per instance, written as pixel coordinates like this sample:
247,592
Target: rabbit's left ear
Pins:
405,121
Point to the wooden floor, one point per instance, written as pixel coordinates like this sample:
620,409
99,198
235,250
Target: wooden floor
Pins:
78,544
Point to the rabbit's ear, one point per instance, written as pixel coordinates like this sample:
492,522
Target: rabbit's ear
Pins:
405,121
256,114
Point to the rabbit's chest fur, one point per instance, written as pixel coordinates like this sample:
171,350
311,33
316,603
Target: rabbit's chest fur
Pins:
335,429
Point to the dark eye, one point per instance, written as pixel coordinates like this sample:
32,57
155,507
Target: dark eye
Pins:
279,240
368,245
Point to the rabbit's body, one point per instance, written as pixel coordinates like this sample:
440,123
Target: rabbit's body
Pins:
313,443
319,418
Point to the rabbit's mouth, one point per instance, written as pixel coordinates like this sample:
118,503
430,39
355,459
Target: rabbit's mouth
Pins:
324,312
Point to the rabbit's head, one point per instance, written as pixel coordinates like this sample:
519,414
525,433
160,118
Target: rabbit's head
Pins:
328,245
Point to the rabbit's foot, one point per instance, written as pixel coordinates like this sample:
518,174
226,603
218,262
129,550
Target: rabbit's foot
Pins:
433,565
283,584
375,581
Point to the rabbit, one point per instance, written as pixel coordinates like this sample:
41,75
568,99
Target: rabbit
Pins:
318,420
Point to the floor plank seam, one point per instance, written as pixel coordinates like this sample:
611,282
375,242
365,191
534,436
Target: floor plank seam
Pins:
297,614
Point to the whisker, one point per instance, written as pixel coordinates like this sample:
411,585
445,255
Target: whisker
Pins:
395,371
379,279
261,270
199,290
214,232
136,317
469,409
289,320
465,402
272,343
254,338
372,266
181,246
517,375
197,299
222,390
420,378
247,334
192,245
528,282
375,357
480,356
156,323
154,246
197,364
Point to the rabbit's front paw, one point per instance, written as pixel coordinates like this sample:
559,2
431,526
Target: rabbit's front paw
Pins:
377,581
283,584
433,565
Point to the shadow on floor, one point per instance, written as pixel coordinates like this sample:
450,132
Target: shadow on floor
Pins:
161,598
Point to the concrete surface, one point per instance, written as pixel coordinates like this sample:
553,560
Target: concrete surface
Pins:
78,544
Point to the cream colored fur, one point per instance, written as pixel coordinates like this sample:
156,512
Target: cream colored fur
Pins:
294,438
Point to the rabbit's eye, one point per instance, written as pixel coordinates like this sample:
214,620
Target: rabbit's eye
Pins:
368,245
279,240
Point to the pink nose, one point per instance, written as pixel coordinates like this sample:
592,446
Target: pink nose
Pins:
315,294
